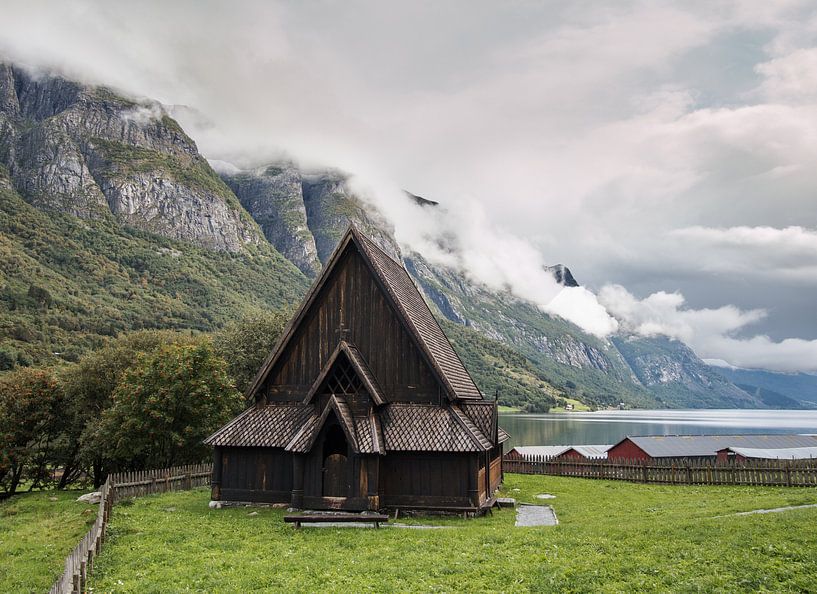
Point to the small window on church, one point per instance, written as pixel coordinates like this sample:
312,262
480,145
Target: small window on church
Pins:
343,380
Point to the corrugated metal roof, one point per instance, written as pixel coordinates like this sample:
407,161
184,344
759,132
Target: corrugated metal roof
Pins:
676,446
592,451
777,453
548,451
588,451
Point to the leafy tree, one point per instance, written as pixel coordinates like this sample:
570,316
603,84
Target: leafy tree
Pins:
40,296
31,421
165,405
8,359
89,387
245,344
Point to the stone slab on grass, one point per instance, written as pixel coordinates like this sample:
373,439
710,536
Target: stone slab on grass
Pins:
535,515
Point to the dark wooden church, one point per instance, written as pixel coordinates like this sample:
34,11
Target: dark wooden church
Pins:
363,404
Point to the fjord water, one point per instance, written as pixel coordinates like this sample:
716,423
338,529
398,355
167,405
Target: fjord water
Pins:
609,427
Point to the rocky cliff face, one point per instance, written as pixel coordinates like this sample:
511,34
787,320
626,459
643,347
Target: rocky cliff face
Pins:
273,195
562,275
331,206
91,153
304,214
676,375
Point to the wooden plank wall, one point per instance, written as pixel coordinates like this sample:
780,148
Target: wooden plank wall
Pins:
418,474
789,473
352,298
80,562
257,469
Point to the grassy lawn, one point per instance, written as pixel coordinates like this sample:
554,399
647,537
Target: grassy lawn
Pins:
508,409
37,531
612,537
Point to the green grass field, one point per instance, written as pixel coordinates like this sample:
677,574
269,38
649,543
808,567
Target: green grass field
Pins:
37,531
612,537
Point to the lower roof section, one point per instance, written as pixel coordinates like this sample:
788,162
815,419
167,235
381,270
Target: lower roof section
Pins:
392,427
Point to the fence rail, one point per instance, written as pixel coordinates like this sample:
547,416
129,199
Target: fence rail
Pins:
122,485
788,473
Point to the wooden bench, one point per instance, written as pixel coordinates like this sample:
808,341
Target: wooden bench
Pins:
314,518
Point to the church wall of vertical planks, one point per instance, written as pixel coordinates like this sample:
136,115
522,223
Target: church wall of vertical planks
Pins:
363,404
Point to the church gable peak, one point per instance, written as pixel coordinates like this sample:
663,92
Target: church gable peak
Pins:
359,275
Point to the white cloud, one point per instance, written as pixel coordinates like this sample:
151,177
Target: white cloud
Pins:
791,78
580,306
712,333
628,140
765,253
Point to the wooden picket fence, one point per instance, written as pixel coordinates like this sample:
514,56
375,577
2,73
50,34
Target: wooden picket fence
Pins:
788,473
79,564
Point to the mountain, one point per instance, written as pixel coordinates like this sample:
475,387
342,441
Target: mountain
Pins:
801,387
678,378
562,360
111,220
91,153
304,214
562,275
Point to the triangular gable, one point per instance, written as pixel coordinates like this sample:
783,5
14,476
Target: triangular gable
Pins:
358,363
305,438
407,304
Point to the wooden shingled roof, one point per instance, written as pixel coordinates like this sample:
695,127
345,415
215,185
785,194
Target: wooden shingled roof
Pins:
393,427
410,308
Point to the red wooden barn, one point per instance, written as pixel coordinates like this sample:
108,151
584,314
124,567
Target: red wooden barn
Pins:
363,404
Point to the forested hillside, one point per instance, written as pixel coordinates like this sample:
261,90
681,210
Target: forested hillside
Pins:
67,284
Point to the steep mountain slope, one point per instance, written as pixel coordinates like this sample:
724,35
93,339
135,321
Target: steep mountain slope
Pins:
66,283
274,196
582,366
305,213
677,377
797,386
91,153
501,371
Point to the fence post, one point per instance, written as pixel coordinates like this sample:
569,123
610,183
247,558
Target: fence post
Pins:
644,471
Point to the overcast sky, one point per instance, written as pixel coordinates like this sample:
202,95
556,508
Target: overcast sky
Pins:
665,151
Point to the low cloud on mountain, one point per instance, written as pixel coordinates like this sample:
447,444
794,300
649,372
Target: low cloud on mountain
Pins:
667,148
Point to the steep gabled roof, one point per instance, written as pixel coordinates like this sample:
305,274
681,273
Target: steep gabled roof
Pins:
363,433
408,305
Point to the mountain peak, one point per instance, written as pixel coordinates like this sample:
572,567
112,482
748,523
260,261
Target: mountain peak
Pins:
562,275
